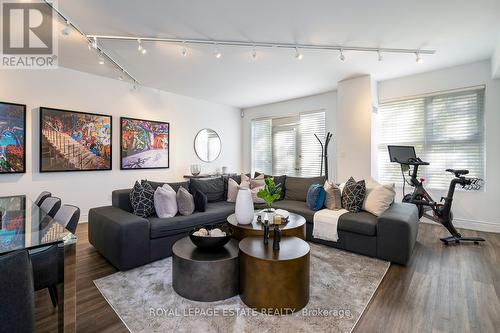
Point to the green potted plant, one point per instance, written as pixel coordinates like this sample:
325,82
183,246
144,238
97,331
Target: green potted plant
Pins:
270,193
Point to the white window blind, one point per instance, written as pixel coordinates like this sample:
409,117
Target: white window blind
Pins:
262,145
287,145
447,130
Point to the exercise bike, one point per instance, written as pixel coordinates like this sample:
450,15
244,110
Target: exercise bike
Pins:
439,212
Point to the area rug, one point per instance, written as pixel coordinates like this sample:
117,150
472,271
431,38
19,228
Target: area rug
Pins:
342,284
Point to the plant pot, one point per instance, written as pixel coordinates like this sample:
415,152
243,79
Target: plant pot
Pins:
244,206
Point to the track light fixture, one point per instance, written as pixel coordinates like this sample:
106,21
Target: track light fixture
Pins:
298,55
141,48
93,44
342,56
254,53
122,76
184,51
66,29
379,56
217,53
419,58
101,59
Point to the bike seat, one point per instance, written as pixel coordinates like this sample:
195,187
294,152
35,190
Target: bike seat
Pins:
458,173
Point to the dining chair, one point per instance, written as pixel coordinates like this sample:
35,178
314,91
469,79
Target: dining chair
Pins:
17,305
41,197
48,261
51,205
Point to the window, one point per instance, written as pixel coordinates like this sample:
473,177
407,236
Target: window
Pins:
287,145
447,130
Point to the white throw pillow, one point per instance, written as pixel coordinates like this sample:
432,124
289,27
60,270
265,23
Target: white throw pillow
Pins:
232,190
255,198
165,201
378,197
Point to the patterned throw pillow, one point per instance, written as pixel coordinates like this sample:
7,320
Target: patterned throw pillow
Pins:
353,195
142,199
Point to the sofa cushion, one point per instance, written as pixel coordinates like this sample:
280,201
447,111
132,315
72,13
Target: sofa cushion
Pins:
165,201
353,195
200,201
232,190
296,187
142,199
175,186
362,223
297,207
316,197
185,202
213,188
216,212
333,200
121,199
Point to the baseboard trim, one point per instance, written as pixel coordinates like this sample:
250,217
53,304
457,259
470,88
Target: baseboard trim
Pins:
471,225
84,219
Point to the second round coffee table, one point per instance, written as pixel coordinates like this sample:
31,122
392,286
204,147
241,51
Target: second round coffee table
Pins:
296,226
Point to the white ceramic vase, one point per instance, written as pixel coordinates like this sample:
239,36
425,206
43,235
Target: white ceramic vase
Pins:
244,206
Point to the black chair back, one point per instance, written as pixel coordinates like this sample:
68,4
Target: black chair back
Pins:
51,205
69,216
41,197
17,305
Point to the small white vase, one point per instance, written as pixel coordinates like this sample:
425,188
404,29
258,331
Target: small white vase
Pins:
244,206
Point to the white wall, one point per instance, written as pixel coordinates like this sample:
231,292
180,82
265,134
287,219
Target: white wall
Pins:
326,101
475,210
495,63
354,109
73,90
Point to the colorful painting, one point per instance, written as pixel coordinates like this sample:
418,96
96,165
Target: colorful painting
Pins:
12,138
12,222
74,141
144,144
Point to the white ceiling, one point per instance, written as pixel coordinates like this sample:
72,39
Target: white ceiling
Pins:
461,31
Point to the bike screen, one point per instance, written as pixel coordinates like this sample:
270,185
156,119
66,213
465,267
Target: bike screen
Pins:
401,154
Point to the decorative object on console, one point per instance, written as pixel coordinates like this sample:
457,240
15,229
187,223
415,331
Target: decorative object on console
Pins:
315,198
185,201
333,199
74,141
12,138
165,200
244,206
144,144
142,199
378,197
200,201
270,193
353,195
195,169
207,145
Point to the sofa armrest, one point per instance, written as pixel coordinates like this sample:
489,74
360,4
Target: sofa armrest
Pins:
397,230
121,237
121,199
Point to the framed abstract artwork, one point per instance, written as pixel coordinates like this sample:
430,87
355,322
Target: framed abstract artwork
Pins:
144,144
12,138
74,141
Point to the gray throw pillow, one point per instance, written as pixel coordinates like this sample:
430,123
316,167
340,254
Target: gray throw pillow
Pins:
333,199
185,202
213,188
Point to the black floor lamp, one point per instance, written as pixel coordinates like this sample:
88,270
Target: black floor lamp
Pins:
324,153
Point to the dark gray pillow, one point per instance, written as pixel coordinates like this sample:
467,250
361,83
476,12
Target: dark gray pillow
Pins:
142,199
174,186
213,188
277,180
297,187
200,201
353,195
185,201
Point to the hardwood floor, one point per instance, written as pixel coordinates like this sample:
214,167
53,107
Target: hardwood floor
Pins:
443,289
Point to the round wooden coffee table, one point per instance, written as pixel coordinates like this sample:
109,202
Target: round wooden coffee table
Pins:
296,226
275,282
205,276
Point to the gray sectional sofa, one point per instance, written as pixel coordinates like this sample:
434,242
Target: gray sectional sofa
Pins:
129,241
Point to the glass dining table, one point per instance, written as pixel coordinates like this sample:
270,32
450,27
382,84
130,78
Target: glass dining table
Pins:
24,226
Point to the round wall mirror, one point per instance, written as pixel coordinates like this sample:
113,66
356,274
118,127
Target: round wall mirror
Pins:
207,145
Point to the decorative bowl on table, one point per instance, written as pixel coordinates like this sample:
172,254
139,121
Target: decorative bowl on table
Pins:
210,237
